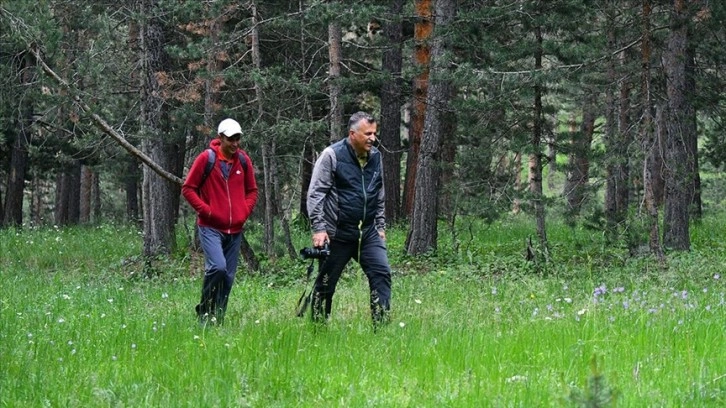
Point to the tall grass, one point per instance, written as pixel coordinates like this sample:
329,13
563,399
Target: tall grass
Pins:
473,327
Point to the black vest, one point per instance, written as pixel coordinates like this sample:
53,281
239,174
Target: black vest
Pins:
358,190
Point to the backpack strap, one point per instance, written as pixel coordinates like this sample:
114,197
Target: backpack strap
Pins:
212,157
242,159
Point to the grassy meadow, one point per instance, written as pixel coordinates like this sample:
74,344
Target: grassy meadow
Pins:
474,327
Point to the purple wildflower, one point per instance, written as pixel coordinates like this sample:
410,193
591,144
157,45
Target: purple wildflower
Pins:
600,290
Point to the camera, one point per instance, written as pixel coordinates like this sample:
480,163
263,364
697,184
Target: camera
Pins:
315,253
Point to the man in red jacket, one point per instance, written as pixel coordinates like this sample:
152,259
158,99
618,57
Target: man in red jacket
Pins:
223,199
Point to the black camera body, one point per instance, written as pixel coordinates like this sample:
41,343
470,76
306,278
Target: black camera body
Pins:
315,253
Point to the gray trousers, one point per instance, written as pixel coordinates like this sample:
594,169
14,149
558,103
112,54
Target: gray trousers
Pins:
221,254
373,259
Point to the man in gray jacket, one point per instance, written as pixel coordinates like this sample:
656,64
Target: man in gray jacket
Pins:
346,207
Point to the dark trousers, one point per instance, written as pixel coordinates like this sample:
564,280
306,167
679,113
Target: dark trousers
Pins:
373,259
221,254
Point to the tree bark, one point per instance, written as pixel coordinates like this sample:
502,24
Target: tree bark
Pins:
335,55
85,198
535,158
390,132
422,56
647,137
268,147
624,139
657,154
612,215
423,234
679,157
131,186
60,212
696,206
518,185
95,198
158,194
447,163
308,148
68,195
13,209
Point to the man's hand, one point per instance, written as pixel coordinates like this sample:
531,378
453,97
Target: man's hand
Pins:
382,234
319,239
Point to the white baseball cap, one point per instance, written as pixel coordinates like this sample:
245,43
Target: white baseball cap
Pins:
229,127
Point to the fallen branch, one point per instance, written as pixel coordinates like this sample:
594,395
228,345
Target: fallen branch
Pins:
102,124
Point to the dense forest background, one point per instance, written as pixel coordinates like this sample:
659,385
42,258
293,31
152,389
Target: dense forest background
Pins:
603,112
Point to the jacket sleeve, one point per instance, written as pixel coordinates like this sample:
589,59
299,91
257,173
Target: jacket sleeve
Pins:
320,185
190,188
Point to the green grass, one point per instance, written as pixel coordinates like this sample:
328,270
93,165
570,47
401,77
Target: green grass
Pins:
478,327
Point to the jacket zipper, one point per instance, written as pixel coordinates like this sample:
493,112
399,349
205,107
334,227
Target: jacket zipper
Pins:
365,199
229,205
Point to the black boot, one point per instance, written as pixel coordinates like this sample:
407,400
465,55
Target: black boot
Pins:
379,312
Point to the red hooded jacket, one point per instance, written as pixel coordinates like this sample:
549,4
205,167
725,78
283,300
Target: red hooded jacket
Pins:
222,204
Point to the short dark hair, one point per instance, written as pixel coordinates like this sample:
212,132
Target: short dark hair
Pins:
359,116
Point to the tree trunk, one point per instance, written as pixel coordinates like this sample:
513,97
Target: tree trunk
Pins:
62,191
68,194
422,55
657,154
578,173
308,148
13,209
95,198
647,137
390,132
85,198
552,160
335,54
624,139
518,185
535,158
268,145
131,185
696,207
447,198
212,84
423,233
158,193
679,157
611,146
74,203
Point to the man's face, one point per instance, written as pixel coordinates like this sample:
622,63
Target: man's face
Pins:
362,136
229,144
